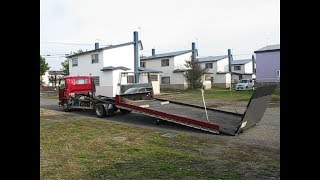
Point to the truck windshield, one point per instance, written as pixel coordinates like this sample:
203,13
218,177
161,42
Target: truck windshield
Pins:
243,81
62,83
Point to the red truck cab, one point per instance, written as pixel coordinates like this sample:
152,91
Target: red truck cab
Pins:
74,84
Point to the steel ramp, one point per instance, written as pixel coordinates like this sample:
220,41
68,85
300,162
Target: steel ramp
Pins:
194,116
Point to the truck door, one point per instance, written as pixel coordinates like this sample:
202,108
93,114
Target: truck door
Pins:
62,88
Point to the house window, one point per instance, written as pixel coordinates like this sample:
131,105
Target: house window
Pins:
278,73
165,80
94,58
143,64
153,77
82,81
74,62
240,77
164,62
96,80
237,68
130,79
209,66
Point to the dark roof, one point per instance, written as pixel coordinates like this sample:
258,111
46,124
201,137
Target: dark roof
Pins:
142,69
180,70
111,68
240,62
107,47
222,72
170,54
275,47
242,73
56,73
211,58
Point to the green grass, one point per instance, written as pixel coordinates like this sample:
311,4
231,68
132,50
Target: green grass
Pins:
216,93
74,147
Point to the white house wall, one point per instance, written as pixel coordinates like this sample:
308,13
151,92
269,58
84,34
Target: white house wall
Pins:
120,56
248,67
105,87
45,78
223,65
85,67
213,69
180,61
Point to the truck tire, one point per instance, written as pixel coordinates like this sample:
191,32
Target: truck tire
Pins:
66,106
100,111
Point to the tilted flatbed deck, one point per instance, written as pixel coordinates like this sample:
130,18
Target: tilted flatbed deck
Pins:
195,116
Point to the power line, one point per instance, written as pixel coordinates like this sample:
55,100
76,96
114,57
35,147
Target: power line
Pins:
65,43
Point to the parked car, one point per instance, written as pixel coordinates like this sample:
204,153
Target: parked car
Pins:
245,84
137,90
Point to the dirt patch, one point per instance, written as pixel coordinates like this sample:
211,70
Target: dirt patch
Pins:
48,112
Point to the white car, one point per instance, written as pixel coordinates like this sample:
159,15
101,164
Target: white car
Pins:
245,84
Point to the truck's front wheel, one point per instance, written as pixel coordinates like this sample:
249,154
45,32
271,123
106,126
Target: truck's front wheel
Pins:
66,106
100,111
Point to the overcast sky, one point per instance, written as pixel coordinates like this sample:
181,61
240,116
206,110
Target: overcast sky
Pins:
166,25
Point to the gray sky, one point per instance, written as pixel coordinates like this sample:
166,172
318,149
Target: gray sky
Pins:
168,25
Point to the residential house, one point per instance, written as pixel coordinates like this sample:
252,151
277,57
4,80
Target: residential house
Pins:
54,74
268,64
107,63
172,65
218,70
242,69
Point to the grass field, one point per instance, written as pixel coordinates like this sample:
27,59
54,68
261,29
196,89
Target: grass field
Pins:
218,93
76,147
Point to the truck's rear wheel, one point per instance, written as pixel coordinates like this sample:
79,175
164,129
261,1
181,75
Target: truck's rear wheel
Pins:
66,106
100,111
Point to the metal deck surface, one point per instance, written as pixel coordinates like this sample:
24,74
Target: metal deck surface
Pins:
228,122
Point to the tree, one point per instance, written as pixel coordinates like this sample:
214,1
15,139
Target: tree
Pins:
65,67
194,75
53,79
43,66
77,52
65,64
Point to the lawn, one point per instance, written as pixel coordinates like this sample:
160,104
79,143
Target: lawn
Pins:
216,93
77,147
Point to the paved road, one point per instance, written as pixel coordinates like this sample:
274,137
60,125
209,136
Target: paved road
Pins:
266,133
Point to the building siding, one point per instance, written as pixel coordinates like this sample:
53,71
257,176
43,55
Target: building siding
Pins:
121,56
177,80
267,63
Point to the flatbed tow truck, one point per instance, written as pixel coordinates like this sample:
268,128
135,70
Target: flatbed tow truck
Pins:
81,96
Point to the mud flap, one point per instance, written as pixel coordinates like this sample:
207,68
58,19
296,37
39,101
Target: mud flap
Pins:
256,107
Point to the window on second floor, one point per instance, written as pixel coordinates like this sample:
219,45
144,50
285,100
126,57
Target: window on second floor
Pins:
237,68
74,62
164,62
278,73
143,64
94,58
209,66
